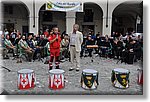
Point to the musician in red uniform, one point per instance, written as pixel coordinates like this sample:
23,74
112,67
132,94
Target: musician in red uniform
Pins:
55,41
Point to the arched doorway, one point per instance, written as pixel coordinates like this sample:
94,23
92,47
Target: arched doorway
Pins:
125,17
91,18
15,16
50,19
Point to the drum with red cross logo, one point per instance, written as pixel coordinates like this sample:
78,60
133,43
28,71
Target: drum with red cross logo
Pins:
56,79
26,79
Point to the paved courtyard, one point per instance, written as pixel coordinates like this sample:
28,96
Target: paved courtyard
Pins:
72,82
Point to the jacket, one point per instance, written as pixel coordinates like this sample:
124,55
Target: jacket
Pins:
79,41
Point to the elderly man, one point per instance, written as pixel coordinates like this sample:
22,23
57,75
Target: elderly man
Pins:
76,39
9,46
24,47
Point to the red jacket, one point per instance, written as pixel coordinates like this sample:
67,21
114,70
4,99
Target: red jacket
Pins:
56,43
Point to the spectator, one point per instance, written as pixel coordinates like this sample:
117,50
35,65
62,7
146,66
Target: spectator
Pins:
36,49
64,47
106,47
25,48
117,48
46,33
6,33
4,50
89,42
13,36
133,49
9,45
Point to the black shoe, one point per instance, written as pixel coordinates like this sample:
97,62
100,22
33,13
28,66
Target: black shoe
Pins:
6,57
71,69
50,69
30,60
77,69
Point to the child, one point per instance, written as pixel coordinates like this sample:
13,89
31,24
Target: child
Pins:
55,41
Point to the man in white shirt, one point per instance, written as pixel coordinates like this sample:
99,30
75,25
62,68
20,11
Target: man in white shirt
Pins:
76,39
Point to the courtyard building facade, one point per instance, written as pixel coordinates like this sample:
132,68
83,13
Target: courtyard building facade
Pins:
105,16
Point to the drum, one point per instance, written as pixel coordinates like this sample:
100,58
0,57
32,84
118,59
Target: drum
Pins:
26,79
140,76
120,78
89,79
92,46
56,79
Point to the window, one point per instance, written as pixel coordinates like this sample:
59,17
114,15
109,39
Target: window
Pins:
47,16
8,9
88,15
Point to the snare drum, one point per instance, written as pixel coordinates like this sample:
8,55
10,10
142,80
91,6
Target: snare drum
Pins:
89,79
120,78
26,79
92,46
56,79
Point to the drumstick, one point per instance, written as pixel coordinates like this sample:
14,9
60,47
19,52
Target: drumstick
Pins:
5,68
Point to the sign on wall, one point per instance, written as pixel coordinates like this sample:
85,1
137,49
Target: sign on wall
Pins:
64,6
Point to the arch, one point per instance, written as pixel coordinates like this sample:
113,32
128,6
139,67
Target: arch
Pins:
53,18
126,12
90,23
95,4
19,18
15,2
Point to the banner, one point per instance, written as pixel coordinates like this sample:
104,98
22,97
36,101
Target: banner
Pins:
64,6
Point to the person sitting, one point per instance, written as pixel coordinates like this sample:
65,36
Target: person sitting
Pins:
4,50
25,48
13,36
9,46
117,48
64,47
46,33
42,43
133,49
36,49
17,41
89,42
105,47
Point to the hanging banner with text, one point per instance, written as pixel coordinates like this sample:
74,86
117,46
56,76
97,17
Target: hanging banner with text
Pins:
64,6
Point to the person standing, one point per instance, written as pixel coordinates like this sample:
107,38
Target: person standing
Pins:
55,41
76,39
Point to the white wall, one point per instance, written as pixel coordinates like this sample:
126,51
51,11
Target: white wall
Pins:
98,21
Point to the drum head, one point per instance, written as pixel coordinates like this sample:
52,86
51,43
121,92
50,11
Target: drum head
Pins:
56,71
22,71
121,70
90,71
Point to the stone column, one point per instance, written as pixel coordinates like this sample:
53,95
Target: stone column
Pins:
1,17
107,27
33,24
70,21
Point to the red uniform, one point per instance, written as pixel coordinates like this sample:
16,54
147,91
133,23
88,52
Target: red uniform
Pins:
54,49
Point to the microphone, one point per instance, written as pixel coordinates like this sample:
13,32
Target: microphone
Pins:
57,37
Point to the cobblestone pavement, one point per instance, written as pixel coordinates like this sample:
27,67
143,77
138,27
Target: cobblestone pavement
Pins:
72,84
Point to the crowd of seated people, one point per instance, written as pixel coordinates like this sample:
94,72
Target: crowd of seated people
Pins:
27,45
125,47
